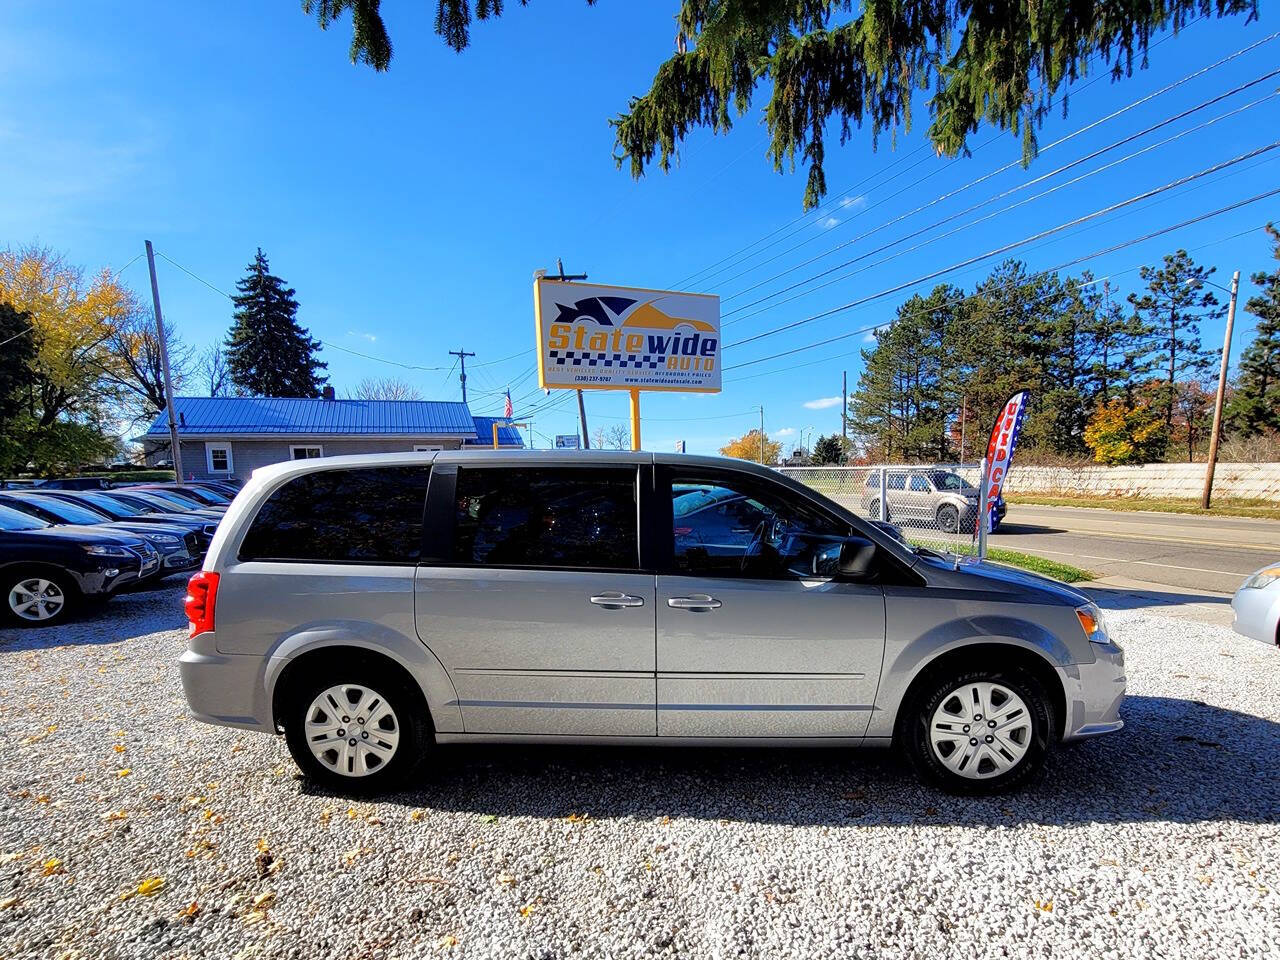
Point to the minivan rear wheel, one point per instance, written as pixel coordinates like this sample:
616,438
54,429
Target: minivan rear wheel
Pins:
980,732
356,729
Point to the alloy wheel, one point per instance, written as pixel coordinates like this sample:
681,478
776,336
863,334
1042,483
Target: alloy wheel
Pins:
352,730
980,730
36,599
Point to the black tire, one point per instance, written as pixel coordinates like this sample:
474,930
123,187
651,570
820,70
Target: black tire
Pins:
411,721
939,688
874,512
948,519
63,585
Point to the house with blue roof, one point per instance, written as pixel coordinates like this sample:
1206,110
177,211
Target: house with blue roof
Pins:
233,436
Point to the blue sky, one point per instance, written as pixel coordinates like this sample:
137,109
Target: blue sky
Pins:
409,209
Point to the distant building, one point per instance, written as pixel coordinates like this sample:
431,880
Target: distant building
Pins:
233,436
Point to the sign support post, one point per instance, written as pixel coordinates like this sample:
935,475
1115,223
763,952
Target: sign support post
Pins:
635,419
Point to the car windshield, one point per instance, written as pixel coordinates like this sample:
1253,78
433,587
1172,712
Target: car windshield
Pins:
11,519
171,499
947,481
66,511
109,505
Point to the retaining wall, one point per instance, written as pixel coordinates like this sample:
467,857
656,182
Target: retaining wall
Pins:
1186,480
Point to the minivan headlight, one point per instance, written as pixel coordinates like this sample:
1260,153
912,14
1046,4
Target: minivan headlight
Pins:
1263,578
166,538
1092,622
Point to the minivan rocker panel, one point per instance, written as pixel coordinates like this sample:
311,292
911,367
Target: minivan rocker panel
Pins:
372,606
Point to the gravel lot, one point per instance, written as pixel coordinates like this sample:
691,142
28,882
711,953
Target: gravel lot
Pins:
1159,841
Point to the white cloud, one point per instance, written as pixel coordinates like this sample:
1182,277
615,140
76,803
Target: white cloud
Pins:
784,432
362,335
822,403
870,337
853,202
830,222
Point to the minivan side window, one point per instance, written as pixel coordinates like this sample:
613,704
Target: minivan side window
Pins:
919,485
546,517
725,529
364,515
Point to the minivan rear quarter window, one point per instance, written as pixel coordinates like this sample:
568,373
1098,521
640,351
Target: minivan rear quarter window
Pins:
581,518
367,515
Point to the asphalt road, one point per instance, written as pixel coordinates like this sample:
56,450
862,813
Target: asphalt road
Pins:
1192,552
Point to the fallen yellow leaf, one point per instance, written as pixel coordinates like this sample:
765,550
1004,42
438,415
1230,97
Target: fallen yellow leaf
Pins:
115,815
189,911
8,902
447,941
144,889
577,817
416,816
51,866
118,747
264,901
43,798
124,773
526,909
1046,906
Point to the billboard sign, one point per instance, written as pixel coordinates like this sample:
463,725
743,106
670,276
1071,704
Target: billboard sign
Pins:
592,337
567,441
679,446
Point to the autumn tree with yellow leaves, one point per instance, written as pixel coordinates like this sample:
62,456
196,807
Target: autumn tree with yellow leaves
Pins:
748,447
62,413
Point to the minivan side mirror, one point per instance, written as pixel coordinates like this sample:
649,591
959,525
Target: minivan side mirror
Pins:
857,555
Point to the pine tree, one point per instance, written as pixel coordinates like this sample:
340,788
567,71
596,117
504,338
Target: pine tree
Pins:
1255,405
268,353
1171,312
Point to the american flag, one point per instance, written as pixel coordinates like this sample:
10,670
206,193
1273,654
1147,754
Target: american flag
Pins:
506,407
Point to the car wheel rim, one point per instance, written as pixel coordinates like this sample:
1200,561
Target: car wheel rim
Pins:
352,730
950,520
37,599
980,730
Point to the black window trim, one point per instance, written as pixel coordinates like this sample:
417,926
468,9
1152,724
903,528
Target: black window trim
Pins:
440,523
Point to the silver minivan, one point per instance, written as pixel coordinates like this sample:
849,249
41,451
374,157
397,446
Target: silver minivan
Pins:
371,608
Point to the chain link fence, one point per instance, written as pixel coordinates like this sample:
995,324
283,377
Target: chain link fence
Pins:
933,505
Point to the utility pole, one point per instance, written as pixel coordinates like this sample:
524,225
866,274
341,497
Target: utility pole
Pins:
462,356
563,277
762,433
582,419
844,412
164,364
964,405
1222,389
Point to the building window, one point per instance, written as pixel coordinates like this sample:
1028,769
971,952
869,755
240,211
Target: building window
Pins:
218,457
306,452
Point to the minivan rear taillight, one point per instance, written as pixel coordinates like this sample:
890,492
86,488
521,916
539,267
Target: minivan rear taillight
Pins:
202,592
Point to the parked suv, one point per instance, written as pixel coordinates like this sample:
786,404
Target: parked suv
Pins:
936,498
373,607
46,571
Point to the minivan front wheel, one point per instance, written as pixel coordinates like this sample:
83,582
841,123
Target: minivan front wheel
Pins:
985,731
361,732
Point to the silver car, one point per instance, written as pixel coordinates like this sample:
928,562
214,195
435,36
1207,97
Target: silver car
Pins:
1255,609
372,608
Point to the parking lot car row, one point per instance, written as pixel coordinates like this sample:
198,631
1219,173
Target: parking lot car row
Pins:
61,548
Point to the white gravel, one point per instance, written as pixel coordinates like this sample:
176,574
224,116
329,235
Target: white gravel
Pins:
1159,841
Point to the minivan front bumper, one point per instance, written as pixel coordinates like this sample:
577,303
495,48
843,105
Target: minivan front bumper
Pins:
1094,692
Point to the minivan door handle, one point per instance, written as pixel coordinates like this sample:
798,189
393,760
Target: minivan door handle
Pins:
694,603
616,601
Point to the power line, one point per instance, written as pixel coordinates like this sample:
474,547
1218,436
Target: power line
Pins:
997,251
1078,260
818,212
1022,186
